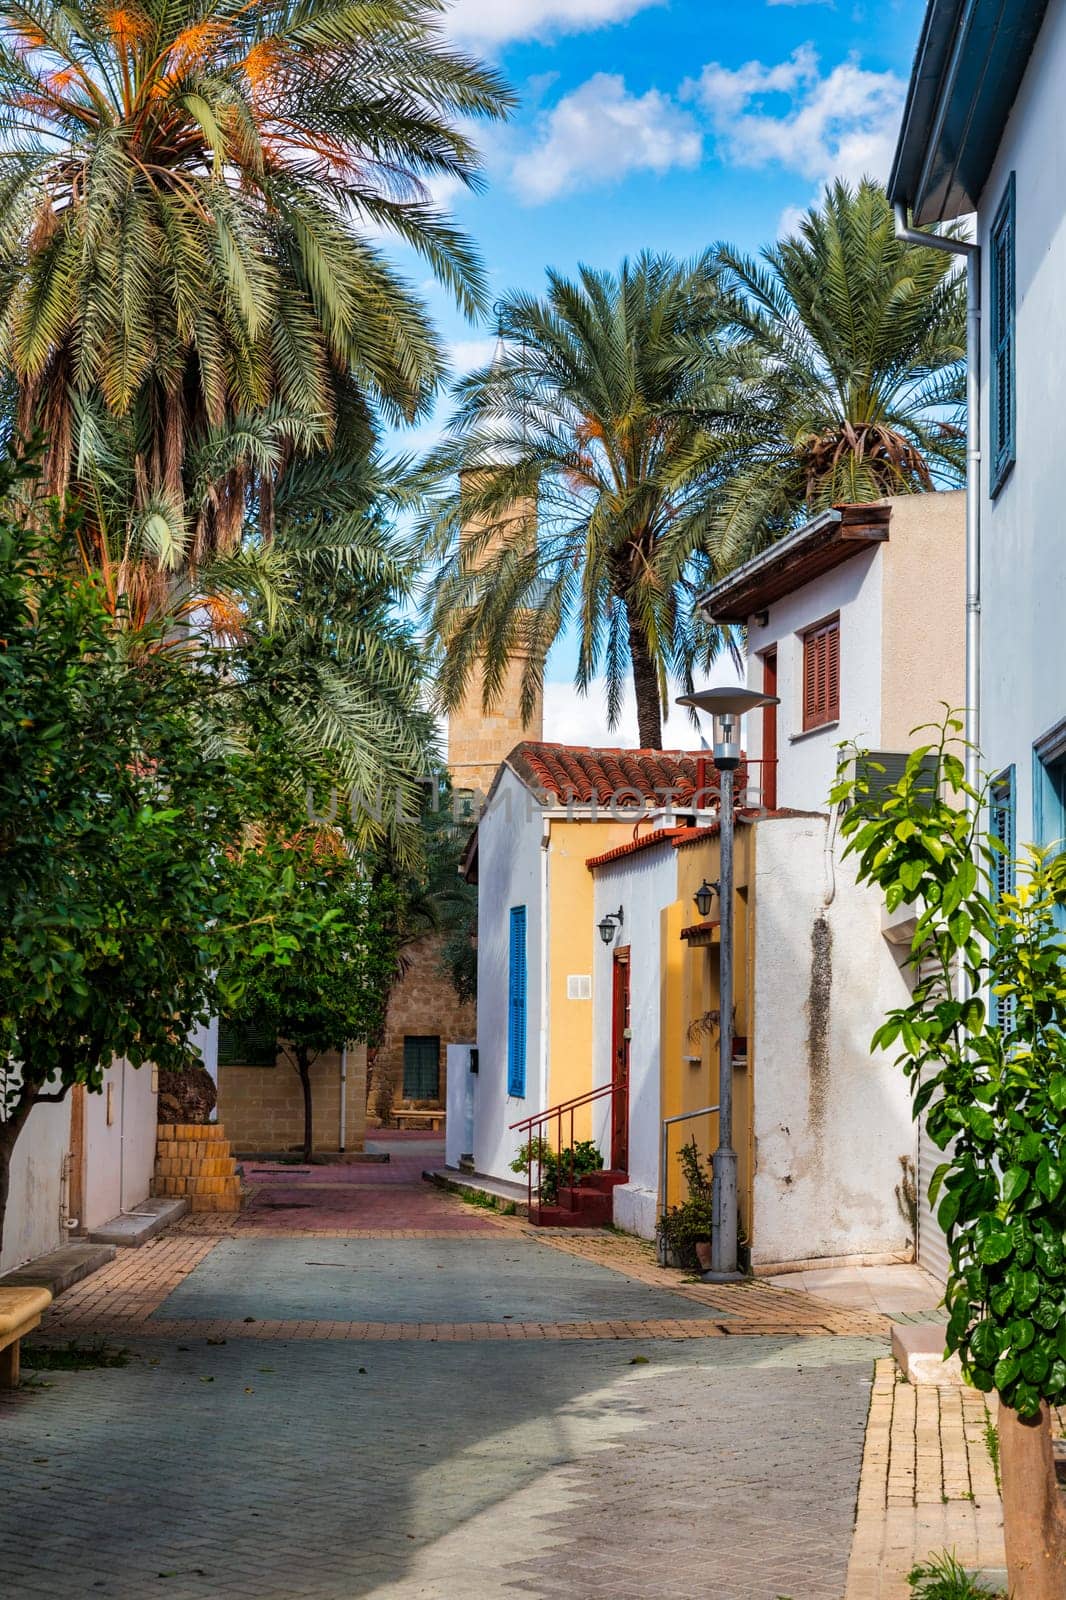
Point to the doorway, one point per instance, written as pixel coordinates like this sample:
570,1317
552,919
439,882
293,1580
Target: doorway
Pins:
620,1038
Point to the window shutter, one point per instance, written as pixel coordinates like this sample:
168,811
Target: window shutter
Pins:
421,1067
516,1004
821,675
1001,340
832,673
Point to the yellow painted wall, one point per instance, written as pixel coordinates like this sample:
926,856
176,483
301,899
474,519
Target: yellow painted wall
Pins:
573,947
690,990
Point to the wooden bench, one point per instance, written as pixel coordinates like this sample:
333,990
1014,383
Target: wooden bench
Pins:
20,1312
418,1119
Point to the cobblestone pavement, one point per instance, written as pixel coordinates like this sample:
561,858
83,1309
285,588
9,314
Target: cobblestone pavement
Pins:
453,1410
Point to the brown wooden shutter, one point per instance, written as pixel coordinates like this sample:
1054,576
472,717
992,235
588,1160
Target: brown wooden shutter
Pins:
821,675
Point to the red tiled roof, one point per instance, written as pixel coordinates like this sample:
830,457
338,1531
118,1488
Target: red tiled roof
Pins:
637,778
645,842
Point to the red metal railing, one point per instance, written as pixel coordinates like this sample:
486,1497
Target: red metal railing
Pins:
556,1114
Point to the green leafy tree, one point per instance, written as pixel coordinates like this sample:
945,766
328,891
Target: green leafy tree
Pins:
189,199
851,350
123,875
563,500
334,989
993,1089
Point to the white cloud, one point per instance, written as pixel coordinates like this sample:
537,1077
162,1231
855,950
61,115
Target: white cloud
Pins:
823,127
600,133
495,21
573,718
467,355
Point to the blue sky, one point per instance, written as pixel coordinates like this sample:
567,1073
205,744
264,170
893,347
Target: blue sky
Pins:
668,124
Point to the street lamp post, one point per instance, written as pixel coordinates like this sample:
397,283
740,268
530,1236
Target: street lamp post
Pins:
726,706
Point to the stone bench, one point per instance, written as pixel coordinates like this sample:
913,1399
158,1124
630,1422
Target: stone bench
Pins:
20,1312
418,1118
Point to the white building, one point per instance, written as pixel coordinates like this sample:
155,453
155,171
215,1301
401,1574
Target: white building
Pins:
857,623
982,132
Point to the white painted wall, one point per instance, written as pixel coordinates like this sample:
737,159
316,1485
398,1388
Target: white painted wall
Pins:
831,1121
205,1039
120,1153
1023,600
459,1123
807,761
642,884
512,871
34,1221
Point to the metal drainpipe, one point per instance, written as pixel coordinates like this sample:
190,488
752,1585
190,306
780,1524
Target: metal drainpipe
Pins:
344,1096
972,252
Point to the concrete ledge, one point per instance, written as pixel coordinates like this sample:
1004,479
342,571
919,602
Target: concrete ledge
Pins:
60,1269
495,1189
888,1258
133,1228
918,1348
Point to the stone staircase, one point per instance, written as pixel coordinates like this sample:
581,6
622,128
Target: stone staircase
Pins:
586,1203
193,1162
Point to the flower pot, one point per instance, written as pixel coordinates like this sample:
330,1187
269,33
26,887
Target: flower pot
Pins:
702,1248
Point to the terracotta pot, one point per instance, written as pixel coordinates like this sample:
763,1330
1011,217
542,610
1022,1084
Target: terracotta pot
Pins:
703,1254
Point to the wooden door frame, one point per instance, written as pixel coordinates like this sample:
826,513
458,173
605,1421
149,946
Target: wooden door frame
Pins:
620,1016
76,1160
768,753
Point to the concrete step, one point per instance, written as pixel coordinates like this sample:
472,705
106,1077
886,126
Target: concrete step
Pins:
60,1269
193,1166
197,1183
604,1181
216,1202
592,1204
563,1217
136,1227
192,1130
919,1351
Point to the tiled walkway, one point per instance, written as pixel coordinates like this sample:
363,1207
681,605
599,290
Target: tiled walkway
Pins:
362,1387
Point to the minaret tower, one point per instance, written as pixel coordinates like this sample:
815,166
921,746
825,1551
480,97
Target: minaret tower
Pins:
478,740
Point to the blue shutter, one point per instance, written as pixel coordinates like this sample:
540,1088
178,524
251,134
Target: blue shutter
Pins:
1001,341
516,1004
1002,822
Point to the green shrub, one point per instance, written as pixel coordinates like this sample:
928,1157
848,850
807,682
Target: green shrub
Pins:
557,1166
942,1578
684,1226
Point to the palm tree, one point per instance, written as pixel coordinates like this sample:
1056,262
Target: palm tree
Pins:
188,194
850,347
585,413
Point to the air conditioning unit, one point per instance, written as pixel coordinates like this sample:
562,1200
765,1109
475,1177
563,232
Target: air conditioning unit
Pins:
881,770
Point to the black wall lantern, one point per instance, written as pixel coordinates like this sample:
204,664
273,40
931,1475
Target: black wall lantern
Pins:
610,924
703,897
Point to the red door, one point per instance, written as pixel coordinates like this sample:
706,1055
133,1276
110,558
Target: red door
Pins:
620,1045
769,733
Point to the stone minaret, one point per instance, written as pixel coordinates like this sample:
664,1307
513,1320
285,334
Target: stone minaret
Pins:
478,740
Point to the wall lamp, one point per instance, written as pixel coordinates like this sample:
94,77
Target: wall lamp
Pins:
704,895
610,925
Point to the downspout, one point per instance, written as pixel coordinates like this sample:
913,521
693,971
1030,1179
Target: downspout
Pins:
344,1097
972,252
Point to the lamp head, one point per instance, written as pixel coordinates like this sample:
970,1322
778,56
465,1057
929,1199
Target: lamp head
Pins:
727,706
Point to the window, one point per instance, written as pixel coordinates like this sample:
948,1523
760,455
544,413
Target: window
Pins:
246,1044
821,674
516,1004
421,1067
1001,823
1001,383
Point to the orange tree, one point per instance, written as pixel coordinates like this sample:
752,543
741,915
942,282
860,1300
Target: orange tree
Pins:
992,1085
125,885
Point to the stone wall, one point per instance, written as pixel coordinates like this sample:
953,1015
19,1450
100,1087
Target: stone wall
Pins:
262,1107
423,1002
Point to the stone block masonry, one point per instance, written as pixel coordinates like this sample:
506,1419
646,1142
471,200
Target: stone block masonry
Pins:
262,1107
193,1162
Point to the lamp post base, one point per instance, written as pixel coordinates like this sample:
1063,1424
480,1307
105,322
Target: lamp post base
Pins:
711,1276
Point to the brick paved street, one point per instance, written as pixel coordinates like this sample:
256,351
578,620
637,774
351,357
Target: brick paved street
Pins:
463,1412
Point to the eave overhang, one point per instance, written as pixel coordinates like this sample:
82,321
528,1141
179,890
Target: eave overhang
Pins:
820,545
968,68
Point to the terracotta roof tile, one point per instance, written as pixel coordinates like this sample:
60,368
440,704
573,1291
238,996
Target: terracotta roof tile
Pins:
581,774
